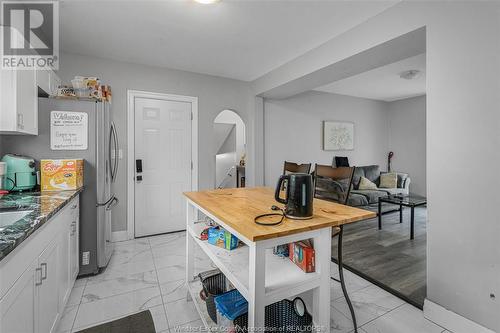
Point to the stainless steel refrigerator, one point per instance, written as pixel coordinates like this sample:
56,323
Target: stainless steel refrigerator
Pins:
100,169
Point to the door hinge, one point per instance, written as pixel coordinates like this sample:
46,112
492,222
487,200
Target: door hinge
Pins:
191,165
191,115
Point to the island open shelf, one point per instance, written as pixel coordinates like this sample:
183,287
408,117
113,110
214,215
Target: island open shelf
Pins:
283,278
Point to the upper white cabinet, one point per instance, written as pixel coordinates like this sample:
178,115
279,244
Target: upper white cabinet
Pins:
48,82
19,98
19,102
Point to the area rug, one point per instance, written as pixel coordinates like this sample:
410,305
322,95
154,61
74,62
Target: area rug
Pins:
141,322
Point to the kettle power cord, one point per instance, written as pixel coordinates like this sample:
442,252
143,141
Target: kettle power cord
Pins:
282,215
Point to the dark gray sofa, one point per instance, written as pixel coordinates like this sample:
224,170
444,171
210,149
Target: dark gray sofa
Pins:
326,188
359,197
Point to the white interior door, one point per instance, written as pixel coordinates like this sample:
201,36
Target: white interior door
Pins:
163,147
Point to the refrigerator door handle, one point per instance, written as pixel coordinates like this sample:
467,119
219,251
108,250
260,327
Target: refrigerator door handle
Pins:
117,150
113,203
107,202
111,137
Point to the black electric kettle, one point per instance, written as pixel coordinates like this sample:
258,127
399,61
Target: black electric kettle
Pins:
299,195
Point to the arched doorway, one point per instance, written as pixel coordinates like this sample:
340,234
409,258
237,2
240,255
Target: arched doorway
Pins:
230,150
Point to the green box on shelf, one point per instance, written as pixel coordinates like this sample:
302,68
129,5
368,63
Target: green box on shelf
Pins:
222,238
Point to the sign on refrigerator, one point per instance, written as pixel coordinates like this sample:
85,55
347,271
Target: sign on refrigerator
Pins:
68,130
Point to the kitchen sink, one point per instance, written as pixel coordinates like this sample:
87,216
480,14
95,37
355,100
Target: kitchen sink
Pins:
8,218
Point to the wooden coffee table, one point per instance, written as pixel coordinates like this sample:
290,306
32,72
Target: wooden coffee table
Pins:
411,201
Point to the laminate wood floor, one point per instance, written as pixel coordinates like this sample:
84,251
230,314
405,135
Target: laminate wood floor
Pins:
388,257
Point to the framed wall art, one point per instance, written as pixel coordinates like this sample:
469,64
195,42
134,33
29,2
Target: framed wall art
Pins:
338,135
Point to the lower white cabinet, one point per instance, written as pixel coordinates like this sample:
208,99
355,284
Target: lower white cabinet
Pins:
33,300
68,254
74,240
46,291
17,307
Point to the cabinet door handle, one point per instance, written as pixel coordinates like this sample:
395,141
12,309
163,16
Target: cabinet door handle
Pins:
20,121
44,265
39,270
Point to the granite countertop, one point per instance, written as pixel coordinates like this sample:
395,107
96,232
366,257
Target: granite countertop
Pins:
43,205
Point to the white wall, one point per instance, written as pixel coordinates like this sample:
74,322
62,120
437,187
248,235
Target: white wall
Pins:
407,140
293,130
463,252
214,94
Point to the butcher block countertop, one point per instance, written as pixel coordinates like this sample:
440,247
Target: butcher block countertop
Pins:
238,207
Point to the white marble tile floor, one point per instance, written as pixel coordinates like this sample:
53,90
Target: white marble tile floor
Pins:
148,273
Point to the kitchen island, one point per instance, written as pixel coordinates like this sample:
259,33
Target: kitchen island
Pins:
260,276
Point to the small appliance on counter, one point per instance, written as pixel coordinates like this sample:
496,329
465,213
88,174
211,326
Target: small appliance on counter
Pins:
3,172
299,195
21,173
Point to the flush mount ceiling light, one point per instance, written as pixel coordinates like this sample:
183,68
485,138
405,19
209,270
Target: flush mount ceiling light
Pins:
410,74
206,2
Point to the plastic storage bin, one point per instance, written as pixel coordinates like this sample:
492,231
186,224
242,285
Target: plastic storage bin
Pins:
230,305
279,317
214,284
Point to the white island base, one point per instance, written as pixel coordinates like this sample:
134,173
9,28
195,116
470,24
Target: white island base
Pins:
260,276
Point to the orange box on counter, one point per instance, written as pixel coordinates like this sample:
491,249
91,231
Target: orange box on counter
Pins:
303,255
60,175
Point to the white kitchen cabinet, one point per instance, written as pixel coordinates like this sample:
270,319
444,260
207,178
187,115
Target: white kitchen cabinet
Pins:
47,290
43,81
37,277
68,253
17,307
54,83
64,266
48,81
19,98
19,102
74,262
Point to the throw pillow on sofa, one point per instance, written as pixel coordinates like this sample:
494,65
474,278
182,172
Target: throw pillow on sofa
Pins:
366,184
389,180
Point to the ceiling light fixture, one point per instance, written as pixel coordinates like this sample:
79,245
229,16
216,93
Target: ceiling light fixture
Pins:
410,74
206,2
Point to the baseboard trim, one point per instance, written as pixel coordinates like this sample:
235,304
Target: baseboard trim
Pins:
119,236
451,320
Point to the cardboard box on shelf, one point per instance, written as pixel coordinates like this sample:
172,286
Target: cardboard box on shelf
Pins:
303,255
222,238
63,174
